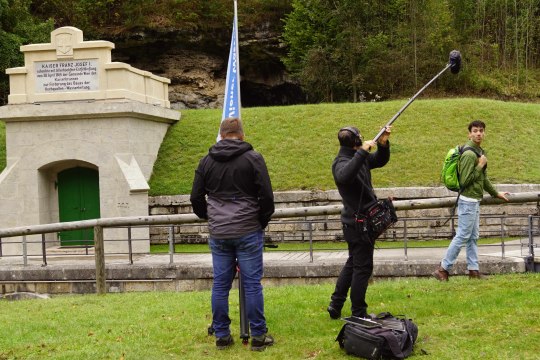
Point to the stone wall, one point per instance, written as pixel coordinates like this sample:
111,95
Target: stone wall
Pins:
506,219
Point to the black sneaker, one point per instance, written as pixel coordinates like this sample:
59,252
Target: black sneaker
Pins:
224,342
334,312
259,343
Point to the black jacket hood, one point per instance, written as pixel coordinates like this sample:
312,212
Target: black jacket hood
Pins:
228,149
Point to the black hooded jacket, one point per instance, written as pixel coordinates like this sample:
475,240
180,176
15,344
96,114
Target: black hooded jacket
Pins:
240,198
352,175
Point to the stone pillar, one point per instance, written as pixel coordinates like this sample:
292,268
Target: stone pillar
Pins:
71,107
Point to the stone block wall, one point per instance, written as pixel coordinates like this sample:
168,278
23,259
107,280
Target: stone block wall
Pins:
506,219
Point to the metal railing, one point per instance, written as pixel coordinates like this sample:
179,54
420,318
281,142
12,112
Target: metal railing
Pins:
534,230
311,232
99,224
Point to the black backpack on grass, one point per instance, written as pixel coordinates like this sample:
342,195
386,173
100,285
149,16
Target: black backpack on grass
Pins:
384,337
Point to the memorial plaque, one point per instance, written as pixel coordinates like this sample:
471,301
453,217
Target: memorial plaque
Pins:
66,76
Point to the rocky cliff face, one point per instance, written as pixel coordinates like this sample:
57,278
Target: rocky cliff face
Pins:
197,64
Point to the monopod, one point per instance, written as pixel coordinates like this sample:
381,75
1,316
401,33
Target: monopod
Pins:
244,321
454,64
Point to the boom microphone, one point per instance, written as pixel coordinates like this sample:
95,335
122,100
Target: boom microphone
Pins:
454,64
455,61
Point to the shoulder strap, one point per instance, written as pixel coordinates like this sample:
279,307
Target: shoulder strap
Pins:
369,189
464,148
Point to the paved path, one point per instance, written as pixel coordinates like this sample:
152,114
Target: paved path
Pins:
513,252
187,272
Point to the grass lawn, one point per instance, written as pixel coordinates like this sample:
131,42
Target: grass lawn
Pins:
299,143
461,319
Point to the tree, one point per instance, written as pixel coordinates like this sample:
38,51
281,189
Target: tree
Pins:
17,27
309,32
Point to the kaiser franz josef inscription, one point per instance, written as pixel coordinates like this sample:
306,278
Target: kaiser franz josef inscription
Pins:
63,76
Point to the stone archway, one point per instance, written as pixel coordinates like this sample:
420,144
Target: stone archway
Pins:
78,199
57,183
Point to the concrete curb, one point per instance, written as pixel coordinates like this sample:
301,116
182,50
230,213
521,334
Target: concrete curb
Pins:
80,278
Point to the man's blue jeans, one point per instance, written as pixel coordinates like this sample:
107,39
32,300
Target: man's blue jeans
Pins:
467,234
248,251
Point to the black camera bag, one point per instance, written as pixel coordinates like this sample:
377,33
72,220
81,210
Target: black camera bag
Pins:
375,217
379,342
378,216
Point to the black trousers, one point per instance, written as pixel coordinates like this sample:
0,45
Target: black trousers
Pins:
356,272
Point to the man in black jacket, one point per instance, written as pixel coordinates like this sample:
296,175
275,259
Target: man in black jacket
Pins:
232,190
352,175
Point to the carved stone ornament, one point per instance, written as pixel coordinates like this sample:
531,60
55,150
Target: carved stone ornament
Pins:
64,44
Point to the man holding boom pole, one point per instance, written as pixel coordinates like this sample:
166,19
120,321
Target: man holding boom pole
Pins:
352,175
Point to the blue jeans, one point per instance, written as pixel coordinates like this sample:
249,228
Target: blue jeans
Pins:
466,235
248,251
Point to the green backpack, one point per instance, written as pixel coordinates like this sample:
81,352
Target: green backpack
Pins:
449,173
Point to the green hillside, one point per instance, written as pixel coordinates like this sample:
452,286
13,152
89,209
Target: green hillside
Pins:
300,142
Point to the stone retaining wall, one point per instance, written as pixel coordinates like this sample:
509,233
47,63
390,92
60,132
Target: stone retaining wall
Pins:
80,279
508,219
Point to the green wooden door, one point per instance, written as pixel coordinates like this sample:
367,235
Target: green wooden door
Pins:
78,199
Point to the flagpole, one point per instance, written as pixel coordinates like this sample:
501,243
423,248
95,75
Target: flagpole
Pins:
231,100
231,108
237,57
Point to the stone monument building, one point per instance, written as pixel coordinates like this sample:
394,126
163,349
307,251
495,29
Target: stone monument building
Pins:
82,135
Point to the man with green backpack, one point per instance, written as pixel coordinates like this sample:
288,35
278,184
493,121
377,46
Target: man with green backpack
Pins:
473,181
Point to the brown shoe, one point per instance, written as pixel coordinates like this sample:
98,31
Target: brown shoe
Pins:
440,274
475,274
